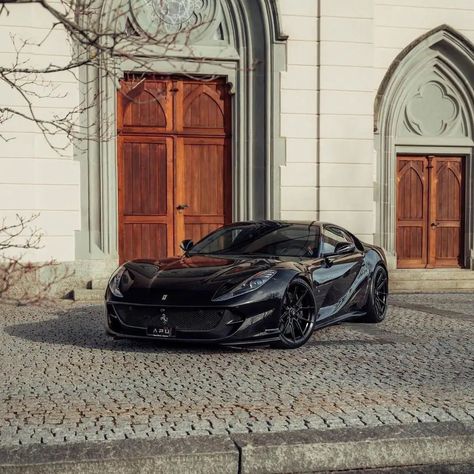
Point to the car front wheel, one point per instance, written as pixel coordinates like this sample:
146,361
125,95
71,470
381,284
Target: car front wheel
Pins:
298,313
376,308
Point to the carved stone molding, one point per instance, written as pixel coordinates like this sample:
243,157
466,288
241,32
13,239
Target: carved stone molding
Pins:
185,21
239,40
432,110
425,104
177,15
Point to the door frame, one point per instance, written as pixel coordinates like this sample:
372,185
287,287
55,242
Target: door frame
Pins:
467,233
258,150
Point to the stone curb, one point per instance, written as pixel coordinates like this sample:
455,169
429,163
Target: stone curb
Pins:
353,448
200,455
286,452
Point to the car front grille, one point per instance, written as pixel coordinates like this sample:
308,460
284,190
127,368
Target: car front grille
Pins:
182,319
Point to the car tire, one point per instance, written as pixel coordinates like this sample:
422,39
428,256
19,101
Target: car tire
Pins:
376,306
298,314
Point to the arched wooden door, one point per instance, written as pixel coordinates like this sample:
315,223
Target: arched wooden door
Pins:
174,163
430,195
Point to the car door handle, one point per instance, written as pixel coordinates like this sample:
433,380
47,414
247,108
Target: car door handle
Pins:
329,261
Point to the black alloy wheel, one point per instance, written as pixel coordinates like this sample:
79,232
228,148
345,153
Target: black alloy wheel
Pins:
297,315
377,299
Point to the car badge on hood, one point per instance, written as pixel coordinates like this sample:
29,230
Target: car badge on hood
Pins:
164,297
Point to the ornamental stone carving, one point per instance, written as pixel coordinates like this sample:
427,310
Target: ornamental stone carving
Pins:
176,15
187,19
432,111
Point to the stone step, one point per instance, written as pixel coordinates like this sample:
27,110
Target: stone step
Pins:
85,295
431,286
435,274
98,284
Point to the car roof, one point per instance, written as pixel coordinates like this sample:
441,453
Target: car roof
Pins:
279,221
319,224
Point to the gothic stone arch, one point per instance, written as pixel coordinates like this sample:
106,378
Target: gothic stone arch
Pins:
425,104
240,40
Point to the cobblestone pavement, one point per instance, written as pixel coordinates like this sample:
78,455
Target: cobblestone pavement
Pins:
64,380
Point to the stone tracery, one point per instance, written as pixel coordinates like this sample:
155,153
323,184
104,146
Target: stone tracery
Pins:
177,15
185,20
432,110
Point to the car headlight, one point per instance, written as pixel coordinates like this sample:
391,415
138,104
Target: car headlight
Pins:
114,282
251,284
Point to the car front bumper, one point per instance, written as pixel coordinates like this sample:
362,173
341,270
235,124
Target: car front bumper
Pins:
246,323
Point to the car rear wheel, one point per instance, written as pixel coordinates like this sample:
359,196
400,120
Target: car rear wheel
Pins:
376,307
297,318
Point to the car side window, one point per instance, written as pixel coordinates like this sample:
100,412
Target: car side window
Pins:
331,237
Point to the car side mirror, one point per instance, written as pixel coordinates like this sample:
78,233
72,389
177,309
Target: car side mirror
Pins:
186,245
344,248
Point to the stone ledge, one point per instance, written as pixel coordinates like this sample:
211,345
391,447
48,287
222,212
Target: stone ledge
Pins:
353,448
212,454
429,444
425,469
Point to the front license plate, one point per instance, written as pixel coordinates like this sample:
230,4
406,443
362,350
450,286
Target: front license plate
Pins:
155,331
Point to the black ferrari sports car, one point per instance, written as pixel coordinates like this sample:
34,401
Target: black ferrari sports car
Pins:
251,282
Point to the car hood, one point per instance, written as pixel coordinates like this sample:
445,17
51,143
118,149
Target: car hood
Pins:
187,280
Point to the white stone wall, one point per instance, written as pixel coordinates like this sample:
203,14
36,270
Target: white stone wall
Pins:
346,159
299,106
34,179
399,22
327,95
338,53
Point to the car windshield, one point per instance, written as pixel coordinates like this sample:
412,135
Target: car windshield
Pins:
262,239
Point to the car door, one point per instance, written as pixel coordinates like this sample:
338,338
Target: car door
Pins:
335,279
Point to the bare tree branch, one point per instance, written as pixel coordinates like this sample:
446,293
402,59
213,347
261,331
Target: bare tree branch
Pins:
20,280
94,43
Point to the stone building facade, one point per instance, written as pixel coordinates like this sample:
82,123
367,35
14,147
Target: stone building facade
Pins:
358,112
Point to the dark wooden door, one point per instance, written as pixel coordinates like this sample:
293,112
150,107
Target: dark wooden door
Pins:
174,164
429,211
146,175
412,212
446,226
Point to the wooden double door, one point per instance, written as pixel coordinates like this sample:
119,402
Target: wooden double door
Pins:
430,197
174,163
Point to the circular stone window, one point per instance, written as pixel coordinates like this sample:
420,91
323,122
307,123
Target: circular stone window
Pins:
176,13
